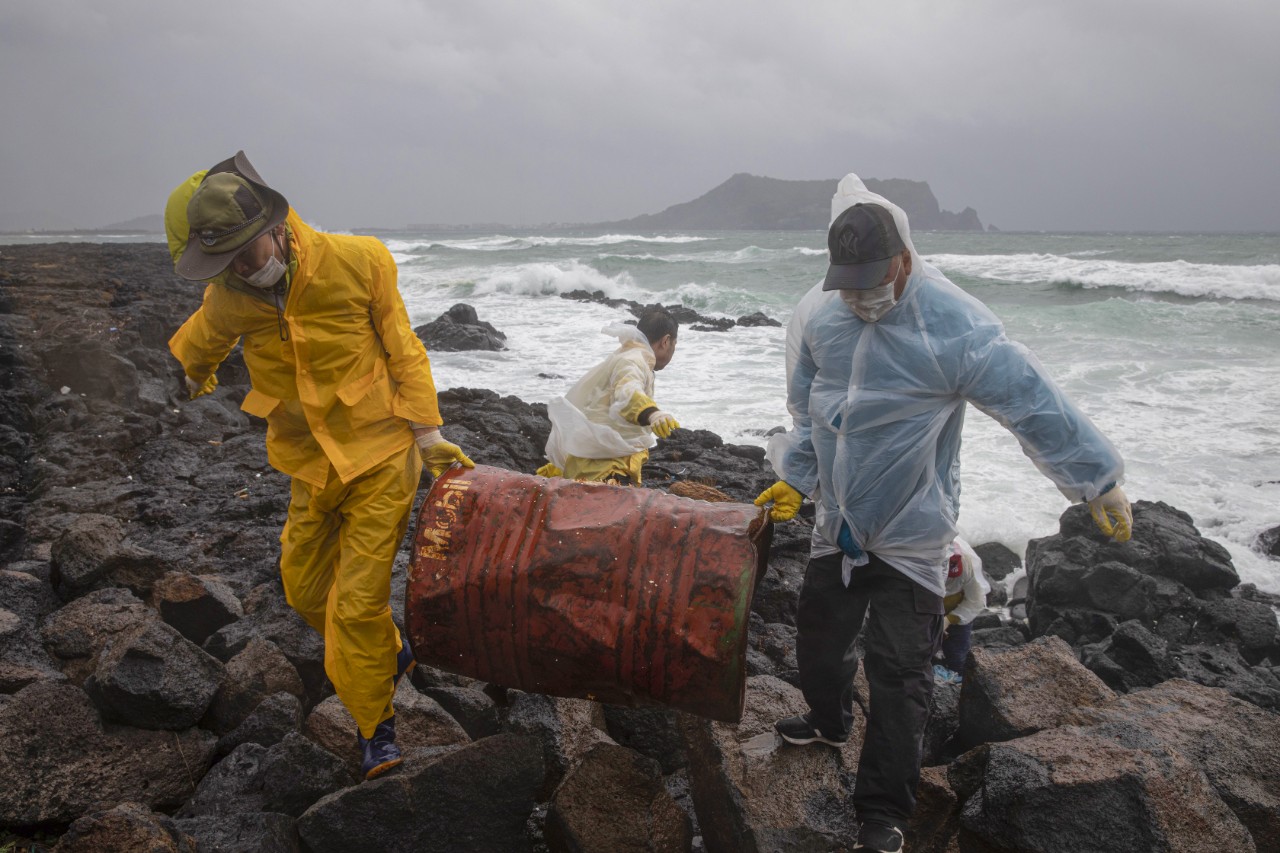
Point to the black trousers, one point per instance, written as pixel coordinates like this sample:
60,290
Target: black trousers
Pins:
903,630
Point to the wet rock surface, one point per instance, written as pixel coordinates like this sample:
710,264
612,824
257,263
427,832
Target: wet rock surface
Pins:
459,329
685,316
1166,604
157,692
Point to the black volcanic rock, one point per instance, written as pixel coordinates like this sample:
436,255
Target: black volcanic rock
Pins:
1164,604
460,329
1268,542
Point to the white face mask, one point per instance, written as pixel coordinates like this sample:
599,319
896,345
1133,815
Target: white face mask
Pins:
268,274
874,302
870,304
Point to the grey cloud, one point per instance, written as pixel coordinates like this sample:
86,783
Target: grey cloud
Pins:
1090,115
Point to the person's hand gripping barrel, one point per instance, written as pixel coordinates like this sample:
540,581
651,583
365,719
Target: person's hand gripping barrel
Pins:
786,501
437,452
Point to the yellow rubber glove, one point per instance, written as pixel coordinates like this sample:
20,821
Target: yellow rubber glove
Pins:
663,423
1113,515
550,470
786,501
195,389
438,454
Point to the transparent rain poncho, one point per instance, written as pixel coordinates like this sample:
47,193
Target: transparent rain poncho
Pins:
878,410
587,421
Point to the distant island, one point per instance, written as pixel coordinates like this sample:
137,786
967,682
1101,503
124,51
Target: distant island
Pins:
742,203
750,203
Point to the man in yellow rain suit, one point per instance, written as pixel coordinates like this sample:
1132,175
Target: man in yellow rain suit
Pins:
346,390
602,429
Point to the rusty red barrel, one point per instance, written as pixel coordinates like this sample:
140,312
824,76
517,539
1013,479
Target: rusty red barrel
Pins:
629,596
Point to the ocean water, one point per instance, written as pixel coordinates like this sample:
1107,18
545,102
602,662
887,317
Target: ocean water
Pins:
1169,342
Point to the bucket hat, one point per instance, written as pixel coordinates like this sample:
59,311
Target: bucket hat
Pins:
230,209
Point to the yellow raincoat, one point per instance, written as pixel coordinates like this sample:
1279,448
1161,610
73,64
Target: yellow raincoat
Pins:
338,396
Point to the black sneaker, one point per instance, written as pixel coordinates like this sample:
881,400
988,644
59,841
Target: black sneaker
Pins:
879,837
797,730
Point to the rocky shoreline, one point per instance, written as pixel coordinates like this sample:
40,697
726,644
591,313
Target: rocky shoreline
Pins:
157,693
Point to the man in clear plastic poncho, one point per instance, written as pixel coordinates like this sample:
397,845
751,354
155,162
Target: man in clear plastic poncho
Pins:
882,357
603,427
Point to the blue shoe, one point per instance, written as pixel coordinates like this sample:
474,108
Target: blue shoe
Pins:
380,751
405,662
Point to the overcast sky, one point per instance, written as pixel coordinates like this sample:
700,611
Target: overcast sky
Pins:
1082,115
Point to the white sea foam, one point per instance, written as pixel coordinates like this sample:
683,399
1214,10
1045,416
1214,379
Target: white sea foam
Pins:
542,278
745,255
1215,281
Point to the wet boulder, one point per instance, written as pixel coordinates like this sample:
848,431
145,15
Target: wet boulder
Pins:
77,632
261,832
126,828
1226,738
259,670
566,728
1015,692
80,557
285,778
1248,626
1268,542
651,731
614,799
92,553
1004,636
152,677
1165,544
771,649
1130,658
59,759
505,432
753,791
269,617
458,329
998,561
276,716
758,318
24,601
1215,666
195,605
478,797
474,709
1091,788
943,724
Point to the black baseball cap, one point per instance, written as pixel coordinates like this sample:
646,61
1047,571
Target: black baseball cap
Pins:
863,242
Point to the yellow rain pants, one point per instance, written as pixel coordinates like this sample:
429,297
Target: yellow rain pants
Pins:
623,468
336,553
